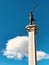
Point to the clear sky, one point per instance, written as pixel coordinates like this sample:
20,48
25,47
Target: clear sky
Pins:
14,16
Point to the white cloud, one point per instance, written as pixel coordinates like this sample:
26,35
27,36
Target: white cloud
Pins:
17,48
42,55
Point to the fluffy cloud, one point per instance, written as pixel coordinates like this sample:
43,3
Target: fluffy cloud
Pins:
17,48
42,55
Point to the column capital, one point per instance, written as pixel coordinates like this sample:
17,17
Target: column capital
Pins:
31,28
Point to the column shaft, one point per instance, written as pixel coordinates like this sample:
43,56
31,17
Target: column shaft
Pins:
31,48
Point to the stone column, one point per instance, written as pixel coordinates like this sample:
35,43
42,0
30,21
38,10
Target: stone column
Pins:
31,44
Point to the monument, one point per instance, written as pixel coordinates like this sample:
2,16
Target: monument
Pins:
31,28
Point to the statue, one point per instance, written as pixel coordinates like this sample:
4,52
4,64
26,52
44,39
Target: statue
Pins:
31,18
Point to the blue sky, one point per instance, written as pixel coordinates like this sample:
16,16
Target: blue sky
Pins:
14,16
